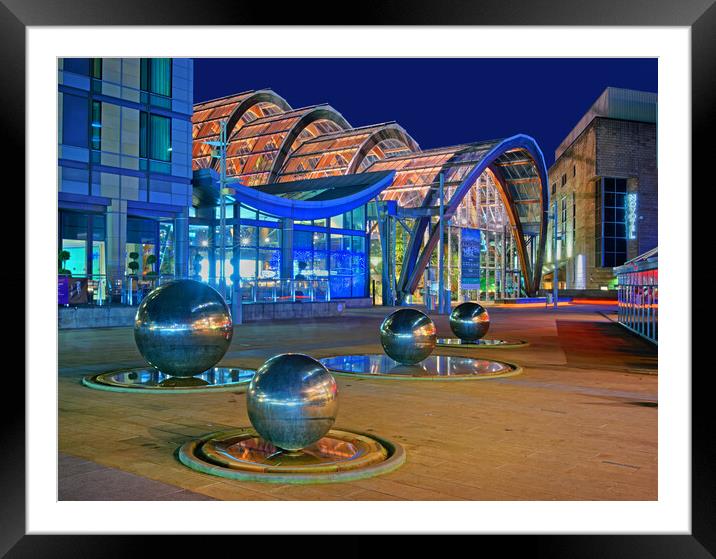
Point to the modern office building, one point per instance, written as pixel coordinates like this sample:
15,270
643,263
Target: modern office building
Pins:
124,168
310,196
604,184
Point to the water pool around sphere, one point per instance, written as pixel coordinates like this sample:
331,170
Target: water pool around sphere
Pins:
434,367
341,455
484,343
148,379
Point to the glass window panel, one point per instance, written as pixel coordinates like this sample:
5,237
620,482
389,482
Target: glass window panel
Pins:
75,120
267,217
320,241
160,141
269,263
143,133
77,262
76,65
359,219
161,76
337,221
269,237
98,227
247,213
199,235
199,262
248,236
340,286
302,264
302,240
166,248
248,263
320,263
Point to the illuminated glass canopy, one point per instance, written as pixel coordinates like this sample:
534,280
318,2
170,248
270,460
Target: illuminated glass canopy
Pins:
270,143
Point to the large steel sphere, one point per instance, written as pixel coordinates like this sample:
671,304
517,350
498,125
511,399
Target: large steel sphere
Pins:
292,401
183,328
408,336
469,321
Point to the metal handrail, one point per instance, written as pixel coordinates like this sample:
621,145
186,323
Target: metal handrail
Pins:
131,289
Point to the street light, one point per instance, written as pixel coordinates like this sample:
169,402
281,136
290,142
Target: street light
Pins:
223,190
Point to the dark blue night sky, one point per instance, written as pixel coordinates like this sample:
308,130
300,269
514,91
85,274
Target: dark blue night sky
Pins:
439,101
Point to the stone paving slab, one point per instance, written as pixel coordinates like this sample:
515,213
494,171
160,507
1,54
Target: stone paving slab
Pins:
82,480
578,424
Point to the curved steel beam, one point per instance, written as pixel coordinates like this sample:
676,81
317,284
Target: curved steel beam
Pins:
520,141
260,96
323,112
389,132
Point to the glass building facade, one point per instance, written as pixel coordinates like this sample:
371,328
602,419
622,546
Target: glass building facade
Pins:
124,169
497,187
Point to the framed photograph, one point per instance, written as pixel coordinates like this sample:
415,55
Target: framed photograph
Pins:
162,220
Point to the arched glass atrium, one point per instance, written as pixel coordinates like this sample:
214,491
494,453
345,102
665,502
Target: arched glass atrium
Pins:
386,223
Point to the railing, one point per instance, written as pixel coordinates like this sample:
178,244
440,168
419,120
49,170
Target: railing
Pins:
96,290
639,309
283,290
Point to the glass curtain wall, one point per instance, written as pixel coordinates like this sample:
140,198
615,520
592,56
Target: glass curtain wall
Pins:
333,249
82,236
82,249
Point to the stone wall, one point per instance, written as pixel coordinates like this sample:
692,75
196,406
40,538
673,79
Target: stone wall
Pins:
606,148
628,149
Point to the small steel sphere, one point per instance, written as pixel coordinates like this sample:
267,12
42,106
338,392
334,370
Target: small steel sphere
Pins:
292,401
408,336
469,321
183,328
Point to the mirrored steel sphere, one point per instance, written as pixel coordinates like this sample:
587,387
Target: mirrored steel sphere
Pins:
183,328
292,401
408,336
469,321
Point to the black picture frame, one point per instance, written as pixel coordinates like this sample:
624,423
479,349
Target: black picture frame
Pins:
699,15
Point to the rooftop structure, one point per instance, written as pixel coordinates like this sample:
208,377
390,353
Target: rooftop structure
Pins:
270,143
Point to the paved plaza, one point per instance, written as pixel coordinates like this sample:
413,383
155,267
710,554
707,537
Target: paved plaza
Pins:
579,422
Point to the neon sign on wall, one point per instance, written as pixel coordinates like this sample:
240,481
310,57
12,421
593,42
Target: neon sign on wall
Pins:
630,217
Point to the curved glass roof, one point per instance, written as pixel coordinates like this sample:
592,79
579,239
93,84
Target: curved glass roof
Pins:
272,144
256,149
345,151
236,110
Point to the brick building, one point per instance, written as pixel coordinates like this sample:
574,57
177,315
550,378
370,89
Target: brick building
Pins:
604,183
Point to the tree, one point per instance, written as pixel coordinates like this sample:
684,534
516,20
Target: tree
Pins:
133,264
63,257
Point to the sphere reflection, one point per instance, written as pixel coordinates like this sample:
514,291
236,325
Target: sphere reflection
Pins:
408,336
183,328
292,401
469,321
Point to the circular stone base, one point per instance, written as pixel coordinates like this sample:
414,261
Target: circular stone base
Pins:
483,343
434,367
339,456
150,380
